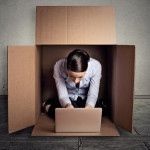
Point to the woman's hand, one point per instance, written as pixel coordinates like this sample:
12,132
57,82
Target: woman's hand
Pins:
69,106
88,106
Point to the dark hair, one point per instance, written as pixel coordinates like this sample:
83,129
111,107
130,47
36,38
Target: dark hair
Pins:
77,60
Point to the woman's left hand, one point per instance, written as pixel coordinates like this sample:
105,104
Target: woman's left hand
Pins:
88,106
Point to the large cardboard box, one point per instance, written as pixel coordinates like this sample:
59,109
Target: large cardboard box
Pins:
30,73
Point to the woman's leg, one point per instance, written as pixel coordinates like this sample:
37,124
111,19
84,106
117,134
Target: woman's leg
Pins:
74,104
80,102
54,103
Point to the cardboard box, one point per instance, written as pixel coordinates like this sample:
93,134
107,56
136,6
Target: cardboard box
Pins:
30,80
30,68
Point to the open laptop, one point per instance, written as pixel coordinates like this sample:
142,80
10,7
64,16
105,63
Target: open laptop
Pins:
78,119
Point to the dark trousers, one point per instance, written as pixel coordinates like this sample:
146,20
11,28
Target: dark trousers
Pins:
80,103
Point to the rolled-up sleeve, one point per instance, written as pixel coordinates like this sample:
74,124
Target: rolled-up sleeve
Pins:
94,85
61,86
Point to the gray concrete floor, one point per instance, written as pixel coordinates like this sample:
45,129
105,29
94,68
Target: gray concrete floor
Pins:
138,140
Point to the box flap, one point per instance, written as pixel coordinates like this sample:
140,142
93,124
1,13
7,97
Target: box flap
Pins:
124,86
21,87
75,25
91,25
45,126
51,25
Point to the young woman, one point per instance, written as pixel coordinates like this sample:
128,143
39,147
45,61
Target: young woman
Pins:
77,81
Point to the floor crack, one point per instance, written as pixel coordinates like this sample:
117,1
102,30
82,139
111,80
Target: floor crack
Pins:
136,131
146,146
80,143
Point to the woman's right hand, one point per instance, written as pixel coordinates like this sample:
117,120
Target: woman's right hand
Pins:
69,105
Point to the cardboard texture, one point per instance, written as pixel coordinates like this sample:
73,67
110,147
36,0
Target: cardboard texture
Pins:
75,25
51,25
120,85
21,87
45,126
37,82
91,25
124,86
62,29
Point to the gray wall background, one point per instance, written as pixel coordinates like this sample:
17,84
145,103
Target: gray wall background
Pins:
17,27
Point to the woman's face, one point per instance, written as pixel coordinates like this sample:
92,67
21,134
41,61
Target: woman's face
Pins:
76,77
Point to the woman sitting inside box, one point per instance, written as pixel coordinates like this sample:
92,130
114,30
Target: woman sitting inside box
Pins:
77,81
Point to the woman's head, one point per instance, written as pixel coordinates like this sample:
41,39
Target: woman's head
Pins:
77,60
77,64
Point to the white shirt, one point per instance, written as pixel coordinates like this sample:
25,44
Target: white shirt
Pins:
88,87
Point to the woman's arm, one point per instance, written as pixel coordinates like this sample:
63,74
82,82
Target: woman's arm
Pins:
61,88
94,86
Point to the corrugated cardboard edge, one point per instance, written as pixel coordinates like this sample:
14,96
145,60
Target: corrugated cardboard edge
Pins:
37,82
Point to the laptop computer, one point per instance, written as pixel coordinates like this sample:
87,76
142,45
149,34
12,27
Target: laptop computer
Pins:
78,119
